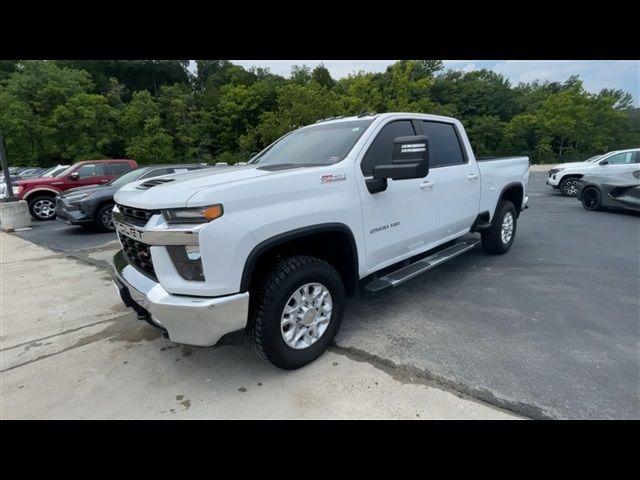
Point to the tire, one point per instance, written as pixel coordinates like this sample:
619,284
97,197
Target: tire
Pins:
42,208
591,199
275,295
103,220
493,240
568,187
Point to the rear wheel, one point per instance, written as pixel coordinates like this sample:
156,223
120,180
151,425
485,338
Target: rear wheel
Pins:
104,219
569,187
42,208
296,311
499,237
591,198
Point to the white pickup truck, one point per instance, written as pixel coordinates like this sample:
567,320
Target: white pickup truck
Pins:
273,248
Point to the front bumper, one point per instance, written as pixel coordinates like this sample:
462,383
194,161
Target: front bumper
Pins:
200,321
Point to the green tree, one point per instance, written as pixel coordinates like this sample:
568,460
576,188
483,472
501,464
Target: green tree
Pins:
86,128
322,76
148,141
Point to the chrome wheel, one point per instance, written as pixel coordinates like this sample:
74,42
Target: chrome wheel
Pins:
506,231
570,188
107,219
306,315
44,208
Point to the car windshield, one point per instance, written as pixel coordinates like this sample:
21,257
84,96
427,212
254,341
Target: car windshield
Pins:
323,144
130,176
594,159
54,172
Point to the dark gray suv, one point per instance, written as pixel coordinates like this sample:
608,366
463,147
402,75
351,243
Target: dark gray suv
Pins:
91,206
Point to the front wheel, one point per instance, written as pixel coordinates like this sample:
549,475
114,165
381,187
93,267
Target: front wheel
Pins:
42,208
591,199
104,219
296,311
499,237
569,187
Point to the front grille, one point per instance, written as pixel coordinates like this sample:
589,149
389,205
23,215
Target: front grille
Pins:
138,254
137,216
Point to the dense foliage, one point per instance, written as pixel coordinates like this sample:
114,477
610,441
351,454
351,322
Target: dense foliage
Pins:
157,111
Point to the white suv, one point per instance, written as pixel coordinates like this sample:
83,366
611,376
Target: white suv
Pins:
566,175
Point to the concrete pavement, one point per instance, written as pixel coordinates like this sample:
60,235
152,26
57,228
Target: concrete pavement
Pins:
70,350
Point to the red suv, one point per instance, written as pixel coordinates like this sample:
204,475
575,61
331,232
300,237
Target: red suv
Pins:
40,193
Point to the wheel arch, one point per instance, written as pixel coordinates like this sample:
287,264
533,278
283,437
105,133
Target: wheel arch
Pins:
513,192
51,192
332,242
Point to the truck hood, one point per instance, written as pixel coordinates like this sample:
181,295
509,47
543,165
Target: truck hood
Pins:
36,181
179,188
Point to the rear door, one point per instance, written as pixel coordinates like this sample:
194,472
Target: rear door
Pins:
455,179
118,168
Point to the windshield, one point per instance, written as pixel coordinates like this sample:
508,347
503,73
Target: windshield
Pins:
322,144
54,172
594,159
130,176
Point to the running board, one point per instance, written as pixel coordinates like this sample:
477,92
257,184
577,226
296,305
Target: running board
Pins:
410,271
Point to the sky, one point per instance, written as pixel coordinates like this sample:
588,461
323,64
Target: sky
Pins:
596,74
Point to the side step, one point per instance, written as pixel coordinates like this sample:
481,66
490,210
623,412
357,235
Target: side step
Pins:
406,273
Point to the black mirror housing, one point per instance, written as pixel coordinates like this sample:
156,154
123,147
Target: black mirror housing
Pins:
410,159
74,176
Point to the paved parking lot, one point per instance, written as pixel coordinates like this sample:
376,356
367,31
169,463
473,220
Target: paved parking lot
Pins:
550,330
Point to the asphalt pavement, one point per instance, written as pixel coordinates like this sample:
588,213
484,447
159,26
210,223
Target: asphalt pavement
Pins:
549,330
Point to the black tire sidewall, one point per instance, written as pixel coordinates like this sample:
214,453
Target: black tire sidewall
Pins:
598,198
33,201
278,352
98,220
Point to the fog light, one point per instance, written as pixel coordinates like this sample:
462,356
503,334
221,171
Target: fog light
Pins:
187,261
193,253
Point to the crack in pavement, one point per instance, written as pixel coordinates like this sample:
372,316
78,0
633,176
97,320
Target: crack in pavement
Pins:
410,374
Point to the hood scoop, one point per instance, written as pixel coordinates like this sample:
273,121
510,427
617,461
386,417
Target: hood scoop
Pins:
153,183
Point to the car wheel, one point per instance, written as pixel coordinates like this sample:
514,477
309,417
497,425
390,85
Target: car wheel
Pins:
104,219
591,198
296,311
42,208
499,237
569,187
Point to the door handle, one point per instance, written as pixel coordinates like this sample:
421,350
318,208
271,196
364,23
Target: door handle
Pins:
427,185
472,176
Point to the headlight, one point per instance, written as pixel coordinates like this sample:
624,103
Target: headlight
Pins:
553,171
193,215
76,197
17,190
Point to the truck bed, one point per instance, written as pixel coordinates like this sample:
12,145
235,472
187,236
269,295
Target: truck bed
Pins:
496,173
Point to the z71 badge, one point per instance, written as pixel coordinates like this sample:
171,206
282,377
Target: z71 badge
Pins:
332,178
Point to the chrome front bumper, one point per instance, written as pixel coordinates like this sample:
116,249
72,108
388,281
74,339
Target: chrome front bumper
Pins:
200,321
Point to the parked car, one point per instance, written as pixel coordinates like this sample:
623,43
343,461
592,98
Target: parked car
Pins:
46,173
565,176
40,193
272,248
92,205
610,191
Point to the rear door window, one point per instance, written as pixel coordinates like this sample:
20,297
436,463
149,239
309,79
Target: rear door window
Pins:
119,168
444,145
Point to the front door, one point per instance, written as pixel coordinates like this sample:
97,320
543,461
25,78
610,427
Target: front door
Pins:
456,179
400,221
619,163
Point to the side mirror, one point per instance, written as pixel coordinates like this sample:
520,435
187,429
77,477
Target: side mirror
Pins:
410,159
604,162
74,176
